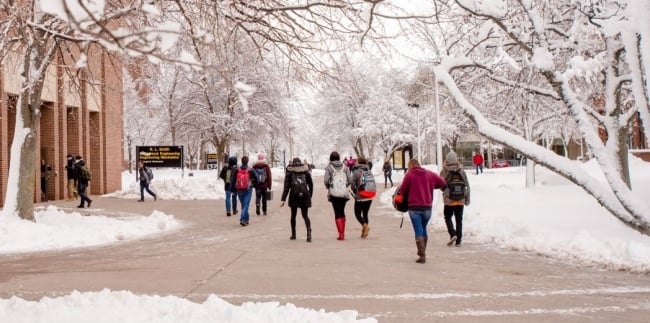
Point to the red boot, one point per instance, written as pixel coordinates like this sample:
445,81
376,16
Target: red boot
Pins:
340,226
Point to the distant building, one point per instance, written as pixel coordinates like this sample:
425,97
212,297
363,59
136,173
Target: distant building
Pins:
81,115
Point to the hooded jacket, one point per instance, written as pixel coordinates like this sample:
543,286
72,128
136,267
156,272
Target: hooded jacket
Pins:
261,164
418,184
452,165
335,165
295,201
357,172
232,164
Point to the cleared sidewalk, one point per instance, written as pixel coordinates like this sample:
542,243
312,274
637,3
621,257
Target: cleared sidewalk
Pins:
376,276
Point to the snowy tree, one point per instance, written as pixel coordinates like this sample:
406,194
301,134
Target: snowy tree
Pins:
38,31
363,104
570,45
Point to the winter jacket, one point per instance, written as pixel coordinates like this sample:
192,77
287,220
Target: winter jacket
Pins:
142,174
233,178
232,164
477,159
357,172
267,183
388,169
296,201
69,167
329,172
418,184
452,167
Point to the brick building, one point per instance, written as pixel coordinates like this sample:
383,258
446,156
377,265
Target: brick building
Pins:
81,115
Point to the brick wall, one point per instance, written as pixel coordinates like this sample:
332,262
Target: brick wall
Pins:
95,134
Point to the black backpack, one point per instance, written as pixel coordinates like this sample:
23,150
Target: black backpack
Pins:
456,185
299,187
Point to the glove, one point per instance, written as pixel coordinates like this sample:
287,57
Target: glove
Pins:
466,201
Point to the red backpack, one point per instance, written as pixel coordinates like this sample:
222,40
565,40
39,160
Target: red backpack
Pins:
243,179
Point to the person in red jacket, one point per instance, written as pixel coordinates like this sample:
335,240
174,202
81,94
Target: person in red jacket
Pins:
418,184
477,160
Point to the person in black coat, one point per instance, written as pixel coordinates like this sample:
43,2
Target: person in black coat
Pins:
226,176
299,187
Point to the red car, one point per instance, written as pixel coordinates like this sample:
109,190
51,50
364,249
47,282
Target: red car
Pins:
500,163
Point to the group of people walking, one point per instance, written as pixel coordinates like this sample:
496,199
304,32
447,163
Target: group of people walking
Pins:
240,181
344,183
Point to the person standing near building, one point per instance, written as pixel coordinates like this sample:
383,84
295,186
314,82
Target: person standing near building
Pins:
337,179
46,170
242,182
299,187
455,196
264,182
72,181
83,180
477,160
226,176
388,173
145,180
418,184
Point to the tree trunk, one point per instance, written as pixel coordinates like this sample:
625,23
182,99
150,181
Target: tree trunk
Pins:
27,164
25,142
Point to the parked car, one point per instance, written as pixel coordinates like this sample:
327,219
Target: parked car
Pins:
500,163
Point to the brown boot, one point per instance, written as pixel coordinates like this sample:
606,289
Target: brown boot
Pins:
364,230
420,243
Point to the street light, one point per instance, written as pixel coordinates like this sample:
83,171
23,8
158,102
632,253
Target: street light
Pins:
436,103
417,116
128,140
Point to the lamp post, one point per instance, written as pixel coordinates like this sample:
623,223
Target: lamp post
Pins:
417,116
436,103
128,140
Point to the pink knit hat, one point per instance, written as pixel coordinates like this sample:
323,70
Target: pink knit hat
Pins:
260,156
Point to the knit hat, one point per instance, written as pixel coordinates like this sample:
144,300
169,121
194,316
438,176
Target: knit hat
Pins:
451,158
232,160
261,156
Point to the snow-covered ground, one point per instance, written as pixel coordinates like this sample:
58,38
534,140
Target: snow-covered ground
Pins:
554,218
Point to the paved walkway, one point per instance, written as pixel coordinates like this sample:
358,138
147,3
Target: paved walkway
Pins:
376,276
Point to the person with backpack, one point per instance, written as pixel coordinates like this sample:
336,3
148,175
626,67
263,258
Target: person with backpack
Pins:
364,189
264,181
388,174
418,184
455,196
83,180
145,175
242,182
299,187
226,176
337,179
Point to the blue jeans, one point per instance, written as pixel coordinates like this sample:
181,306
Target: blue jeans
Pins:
231,201
420,220
245,199
144,185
